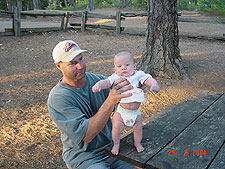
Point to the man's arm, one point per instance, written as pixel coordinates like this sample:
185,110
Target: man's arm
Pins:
100,119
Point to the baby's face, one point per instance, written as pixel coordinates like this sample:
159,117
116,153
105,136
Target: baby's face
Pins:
124,65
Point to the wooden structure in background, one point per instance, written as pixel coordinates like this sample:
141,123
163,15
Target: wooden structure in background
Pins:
187,135
118,17
16,19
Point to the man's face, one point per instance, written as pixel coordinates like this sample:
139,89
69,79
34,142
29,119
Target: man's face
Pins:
75,69
124,66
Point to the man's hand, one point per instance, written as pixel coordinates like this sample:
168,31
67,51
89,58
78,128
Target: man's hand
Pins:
117,91
97,122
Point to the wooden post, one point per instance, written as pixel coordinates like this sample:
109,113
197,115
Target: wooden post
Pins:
118,22
16,19
64,22
84,21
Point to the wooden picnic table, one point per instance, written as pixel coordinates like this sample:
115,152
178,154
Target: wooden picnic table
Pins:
188,135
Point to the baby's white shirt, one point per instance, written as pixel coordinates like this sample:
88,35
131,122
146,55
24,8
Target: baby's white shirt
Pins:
135,79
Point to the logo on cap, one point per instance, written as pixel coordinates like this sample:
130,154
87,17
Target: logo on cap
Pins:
69,46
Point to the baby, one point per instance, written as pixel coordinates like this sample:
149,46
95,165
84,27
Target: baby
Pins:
127,112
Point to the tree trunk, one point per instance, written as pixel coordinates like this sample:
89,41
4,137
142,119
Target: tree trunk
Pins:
72,3
20,5
57,2
90,5
31,5
65,2
162,54
10,5
5,5
35,4
123,3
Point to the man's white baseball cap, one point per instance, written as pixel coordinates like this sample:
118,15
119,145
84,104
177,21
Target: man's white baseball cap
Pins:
66,51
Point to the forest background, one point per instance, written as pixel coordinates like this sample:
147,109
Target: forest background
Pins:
215,7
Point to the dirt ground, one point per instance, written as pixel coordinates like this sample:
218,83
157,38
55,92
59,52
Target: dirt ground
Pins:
29,139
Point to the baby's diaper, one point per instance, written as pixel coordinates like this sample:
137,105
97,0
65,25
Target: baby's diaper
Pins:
128,116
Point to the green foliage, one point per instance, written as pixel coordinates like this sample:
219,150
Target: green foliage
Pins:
104,4
43,4
209,6
139,3
212,6
81,4
54,6
2,5
184,5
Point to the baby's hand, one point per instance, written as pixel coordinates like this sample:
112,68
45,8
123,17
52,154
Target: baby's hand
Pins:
154,88
96,88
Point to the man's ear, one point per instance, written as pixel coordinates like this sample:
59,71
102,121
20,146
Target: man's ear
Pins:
58,65
135,65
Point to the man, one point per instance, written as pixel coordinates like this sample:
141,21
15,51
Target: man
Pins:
83,117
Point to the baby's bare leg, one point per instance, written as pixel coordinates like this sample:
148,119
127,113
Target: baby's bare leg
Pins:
117,128
137,128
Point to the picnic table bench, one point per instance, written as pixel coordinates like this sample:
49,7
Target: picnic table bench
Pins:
188,135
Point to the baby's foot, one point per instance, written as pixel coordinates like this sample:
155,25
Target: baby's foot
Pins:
139,147
115,149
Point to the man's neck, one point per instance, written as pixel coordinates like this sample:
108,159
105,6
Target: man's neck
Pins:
76,84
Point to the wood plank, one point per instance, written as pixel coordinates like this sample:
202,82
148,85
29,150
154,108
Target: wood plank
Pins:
118,22
41,13
208,37
181,19
35,29
6,12
131,14
219,161
98,15
159,133
5,16
83,21
65,20
77,14
196,146
108,27
16,21
7,33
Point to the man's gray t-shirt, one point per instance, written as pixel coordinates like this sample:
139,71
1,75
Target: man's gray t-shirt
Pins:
70,108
